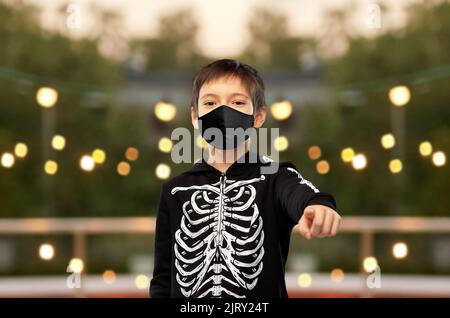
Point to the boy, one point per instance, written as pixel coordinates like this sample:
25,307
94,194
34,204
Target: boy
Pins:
223,227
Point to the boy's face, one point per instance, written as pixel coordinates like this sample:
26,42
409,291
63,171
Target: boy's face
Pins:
226,91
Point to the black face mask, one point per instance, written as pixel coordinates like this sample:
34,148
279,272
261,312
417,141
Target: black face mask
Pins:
225,128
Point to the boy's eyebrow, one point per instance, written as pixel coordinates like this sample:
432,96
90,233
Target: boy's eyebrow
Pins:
215,95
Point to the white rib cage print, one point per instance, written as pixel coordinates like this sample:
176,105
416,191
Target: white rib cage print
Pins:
219,246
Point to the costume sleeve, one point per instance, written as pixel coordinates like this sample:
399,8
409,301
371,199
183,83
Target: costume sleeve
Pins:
294,193
161,282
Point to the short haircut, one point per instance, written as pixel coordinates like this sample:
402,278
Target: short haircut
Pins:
249,77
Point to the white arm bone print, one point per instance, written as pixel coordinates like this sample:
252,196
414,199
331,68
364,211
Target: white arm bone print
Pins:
219,246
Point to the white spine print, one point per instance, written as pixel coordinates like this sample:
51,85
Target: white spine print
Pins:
219,246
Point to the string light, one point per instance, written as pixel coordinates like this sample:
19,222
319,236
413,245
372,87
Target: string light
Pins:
347,154
142,281
50,167
425,148
359,162
46,251
388,141
400,250
99,156
132,154
109,277
47,97
162,171
304,280
165,145
165,111
281,143
20,150
395,165
399,95
58,142
370,264
323,167
337,275
87,163
7,160
281,110
123,168
439,158
76,265
314,152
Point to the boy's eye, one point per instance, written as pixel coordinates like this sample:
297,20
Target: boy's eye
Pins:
208,103
238,102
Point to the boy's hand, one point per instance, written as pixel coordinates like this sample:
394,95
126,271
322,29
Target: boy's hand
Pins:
319,221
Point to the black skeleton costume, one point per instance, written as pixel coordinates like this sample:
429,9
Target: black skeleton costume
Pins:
227,234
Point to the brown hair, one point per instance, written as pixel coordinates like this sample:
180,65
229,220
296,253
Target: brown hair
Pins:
248,75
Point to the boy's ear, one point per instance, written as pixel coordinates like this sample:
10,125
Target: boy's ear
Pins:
260,117
194,117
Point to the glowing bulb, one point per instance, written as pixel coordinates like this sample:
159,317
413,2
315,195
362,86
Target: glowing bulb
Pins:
165,111
21,150
337,275
47,97
314,152
370,264
304,280
141,282
58,142
281,143
132,154
109,277
399,95
323,167
347,154
87,163
395,165
99,156
281,110
359,162
76,265
162,171
425,148
51,167
123,168
46,252
439,158
388,141
400,250
7,160
165,145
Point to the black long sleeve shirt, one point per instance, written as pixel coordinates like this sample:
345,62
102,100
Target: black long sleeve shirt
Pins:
227,234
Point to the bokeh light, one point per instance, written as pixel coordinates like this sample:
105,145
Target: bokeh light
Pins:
439,159
58,142
51,167
7,160
370,264
347,154
400,250
281,110
387,141
46,251
359,162
425,148
47,97
304,280
314,152
21,150
281,143
123,168
99,156
162,171
165,145
165,111
323,167
395,166
87,163
399,95
132,154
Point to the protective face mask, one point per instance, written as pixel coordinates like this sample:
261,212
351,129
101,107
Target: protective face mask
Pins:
225,128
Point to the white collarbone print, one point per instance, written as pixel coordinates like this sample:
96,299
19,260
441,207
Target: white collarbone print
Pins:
219,246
